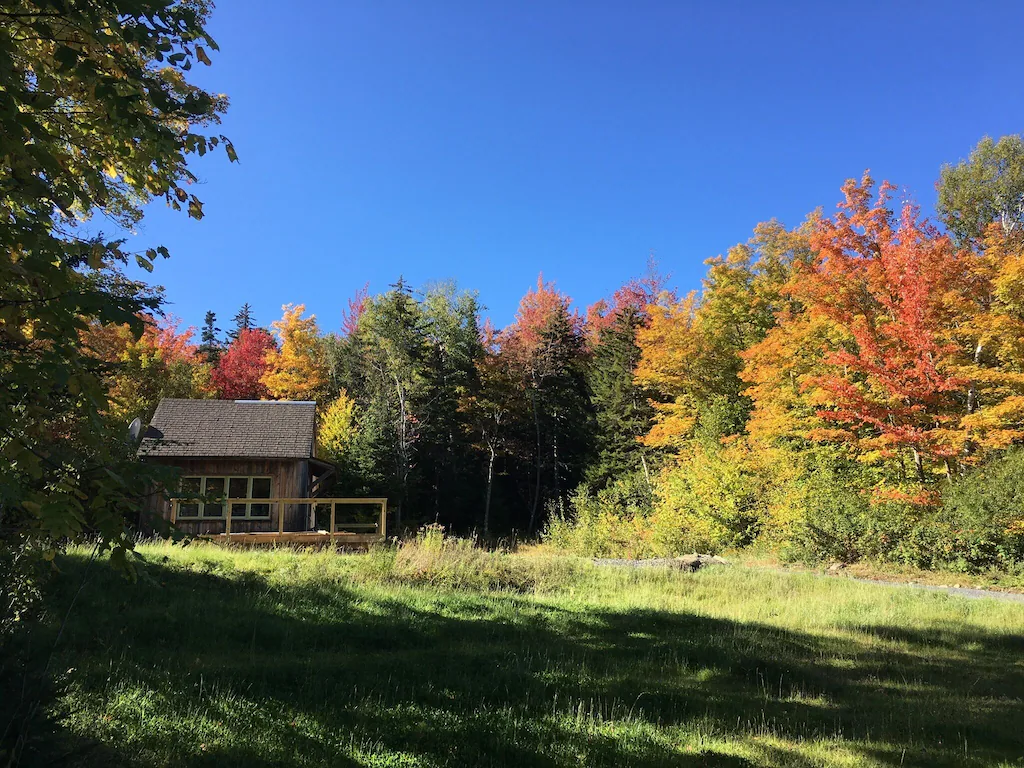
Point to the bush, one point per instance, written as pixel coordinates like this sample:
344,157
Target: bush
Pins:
614,521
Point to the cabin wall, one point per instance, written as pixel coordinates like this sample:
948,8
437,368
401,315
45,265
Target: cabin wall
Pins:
289,479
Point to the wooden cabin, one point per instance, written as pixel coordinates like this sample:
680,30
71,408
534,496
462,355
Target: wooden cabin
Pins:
249,468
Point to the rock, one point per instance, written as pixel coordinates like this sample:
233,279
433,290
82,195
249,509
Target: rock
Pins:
695,562
835,567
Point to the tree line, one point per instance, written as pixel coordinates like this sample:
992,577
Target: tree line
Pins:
869,351
849,387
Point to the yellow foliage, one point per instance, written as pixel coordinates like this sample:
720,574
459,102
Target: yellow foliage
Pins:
296,370
337,427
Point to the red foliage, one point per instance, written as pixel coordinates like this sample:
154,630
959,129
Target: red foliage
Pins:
637,294
886,284
356,307
237,375
538,309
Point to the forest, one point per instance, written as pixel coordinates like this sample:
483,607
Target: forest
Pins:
849,388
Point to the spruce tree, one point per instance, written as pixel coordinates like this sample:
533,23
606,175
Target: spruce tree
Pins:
244,321
211,346
623,412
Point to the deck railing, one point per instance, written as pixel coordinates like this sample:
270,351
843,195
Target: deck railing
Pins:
278,509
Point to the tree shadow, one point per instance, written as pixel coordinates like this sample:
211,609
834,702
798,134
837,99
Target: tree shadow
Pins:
197,669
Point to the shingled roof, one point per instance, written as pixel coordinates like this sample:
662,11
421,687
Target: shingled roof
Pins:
231,428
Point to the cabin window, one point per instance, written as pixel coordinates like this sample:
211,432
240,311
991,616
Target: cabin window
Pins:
220,491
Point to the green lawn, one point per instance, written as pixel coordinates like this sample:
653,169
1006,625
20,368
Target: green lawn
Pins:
225,658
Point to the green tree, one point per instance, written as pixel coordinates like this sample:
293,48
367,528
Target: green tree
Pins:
987,187
96,117
394,354
211,347
622,409
243,321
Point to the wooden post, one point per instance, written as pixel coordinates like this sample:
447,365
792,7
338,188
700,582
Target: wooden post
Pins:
280,517
227,520
382,529
174,510
333,508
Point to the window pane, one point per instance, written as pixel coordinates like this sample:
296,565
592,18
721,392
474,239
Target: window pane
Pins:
215,487
213,510
238,488
237,510
189,487
259,510
188,510
261,488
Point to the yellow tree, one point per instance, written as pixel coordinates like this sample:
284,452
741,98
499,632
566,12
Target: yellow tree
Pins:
296,370
337,427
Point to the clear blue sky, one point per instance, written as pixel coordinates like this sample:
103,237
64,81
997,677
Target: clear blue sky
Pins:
489,141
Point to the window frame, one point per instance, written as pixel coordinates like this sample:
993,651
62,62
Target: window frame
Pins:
226,500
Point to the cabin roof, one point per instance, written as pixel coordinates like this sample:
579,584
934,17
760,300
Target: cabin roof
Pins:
263,429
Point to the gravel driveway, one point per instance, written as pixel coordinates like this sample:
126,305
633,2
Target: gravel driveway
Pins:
688,563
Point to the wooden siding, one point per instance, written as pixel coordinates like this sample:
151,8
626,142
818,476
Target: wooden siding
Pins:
289,479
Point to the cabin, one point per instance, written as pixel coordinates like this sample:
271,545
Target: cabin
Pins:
250,472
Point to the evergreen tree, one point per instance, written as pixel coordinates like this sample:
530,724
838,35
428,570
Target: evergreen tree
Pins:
243,321
622,410
210,347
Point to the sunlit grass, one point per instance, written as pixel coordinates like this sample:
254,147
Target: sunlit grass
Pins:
447,656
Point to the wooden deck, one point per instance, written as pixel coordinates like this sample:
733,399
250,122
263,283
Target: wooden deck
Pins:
339,531
300,538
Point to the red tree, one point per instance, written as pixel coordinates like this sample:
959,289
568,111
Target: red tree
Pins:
237,375
887,284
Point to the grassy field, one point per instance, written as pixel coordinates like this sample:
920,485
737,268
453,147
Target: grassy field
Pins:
430,658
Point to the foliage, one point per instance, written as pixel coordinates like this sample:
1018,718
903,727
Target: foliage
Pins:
211,347
242,366
243,321
295,368
96,117
163,362
623,412
546,350
986,188
336,430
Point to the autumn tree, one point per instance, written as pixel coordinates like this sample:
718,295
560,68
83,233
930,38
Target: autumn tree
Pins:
546,348
295,369
138,372
96,117
893,388
240,370
693,347
336,428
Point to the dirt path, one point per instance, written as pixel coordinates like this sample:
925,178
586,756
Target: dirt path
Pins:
969,592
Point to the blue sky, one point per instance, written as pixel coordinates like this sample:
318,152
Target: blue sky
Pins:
488,141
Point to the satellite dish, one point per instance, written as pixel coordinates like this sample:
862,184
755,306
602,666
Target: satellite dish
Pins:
135,430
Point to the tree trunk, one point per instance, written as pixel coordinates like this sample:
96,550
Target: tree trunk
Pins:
490,482
536,489
554,461
918,464
972,398
647,472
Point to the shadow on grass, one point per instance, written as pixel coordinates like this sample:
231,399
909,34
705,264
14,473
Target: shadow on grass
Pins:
198,669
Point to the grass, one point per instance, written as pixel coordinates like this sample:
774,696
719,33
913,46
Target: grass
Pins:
444,655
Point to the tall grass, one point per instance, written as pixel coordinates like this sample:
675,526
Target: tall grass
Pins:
437,653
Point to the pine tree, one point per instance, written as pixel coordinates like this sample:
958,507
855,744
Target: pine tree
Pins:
211,346
243,321
622,410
